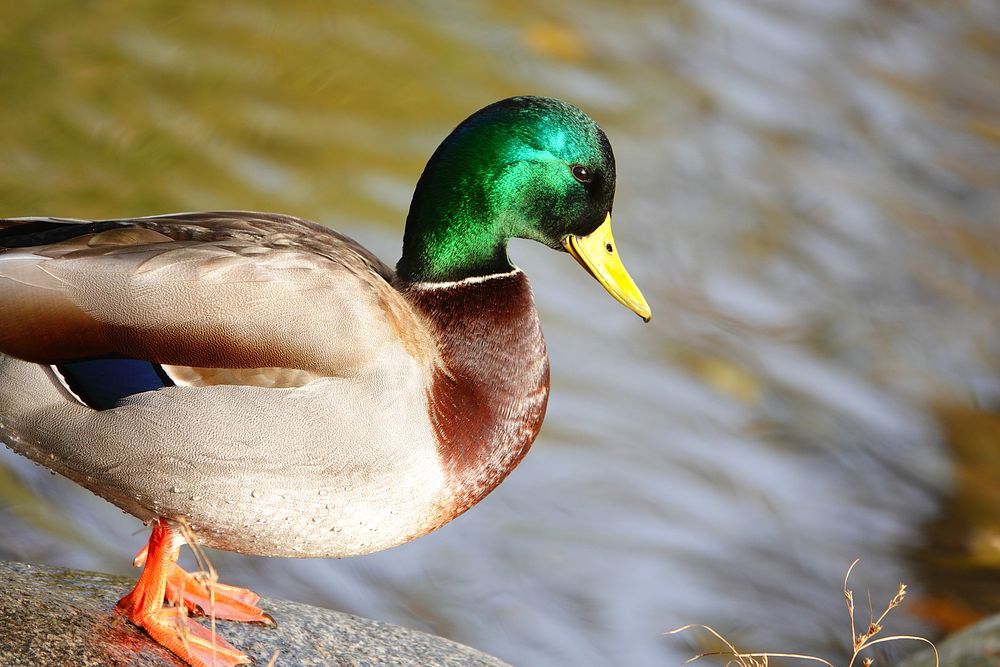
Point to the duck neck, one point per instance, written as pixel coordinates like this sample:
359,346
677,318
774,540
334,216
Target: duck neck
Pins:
449,245
455,225
487,399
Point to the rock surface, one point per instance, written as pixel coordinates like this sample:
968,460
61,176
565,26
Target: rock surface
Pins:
975,646
50,616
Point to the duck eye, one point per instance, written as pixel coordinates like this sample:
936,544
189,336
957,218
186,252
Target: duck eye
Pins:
581,173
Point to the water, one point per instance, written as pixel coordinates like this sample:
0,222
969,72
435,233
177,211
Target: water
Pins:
807,196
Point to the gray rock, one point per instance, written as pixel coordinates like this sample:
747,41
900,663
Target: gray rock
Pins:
975,646
52,616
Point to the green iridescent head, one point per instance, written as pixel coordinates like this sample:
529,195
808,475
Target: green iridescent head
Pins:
507,172
525,167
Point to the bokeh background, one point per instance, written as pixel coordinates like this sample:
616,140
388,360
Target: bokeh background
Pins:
808,194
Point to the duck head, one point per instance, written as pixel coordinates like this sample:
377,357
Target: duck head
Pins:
525,167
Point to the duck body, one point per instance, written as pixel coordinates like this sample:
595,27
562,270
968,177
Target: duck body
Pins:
319,407
265,385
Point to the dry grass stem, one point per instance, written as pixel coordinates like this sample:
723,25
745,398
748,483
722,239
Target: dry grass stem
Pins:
206,574
740,658
860,641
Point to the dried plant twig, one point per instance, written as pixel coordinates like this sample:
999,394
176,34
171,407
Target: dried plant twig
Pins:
205,573
860,641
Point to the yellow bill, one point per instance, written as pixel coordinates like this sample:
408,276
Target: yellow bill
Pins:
598,253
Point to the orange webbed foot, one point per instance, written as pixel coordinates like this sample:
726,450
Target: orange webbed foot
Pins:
205,598
192,642
170,626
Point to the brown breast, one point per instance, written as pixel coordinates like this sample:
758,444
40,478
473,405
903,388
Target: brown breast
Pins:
488,396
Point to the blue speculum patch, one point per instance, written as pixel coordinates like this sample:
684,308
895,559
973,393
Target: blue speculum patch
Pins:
103,382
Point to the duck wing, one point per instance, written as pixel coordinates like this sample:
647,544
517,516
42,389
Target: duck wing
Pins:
218,290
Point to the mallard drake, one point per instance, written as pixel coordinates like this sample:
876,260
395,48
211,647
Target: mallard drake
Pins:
273,385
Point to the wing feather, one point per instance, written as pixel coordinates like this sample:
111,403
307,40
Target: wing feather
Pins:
226,290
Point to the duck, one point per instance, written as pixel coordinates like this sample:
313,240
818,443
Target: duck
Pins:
259,383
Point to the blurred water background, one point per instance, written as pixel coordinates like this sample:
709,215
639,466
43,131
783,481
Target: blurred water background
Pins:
808,195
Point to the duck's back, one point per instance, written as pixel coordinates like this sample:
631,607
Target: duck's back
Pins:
229,289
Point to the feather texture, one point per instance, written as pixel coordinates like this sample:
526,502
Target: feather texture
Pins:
220,290
318,409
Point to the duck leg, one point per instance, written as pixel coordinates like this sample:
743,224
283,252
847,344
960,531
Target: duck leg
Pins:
202,597
170,626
